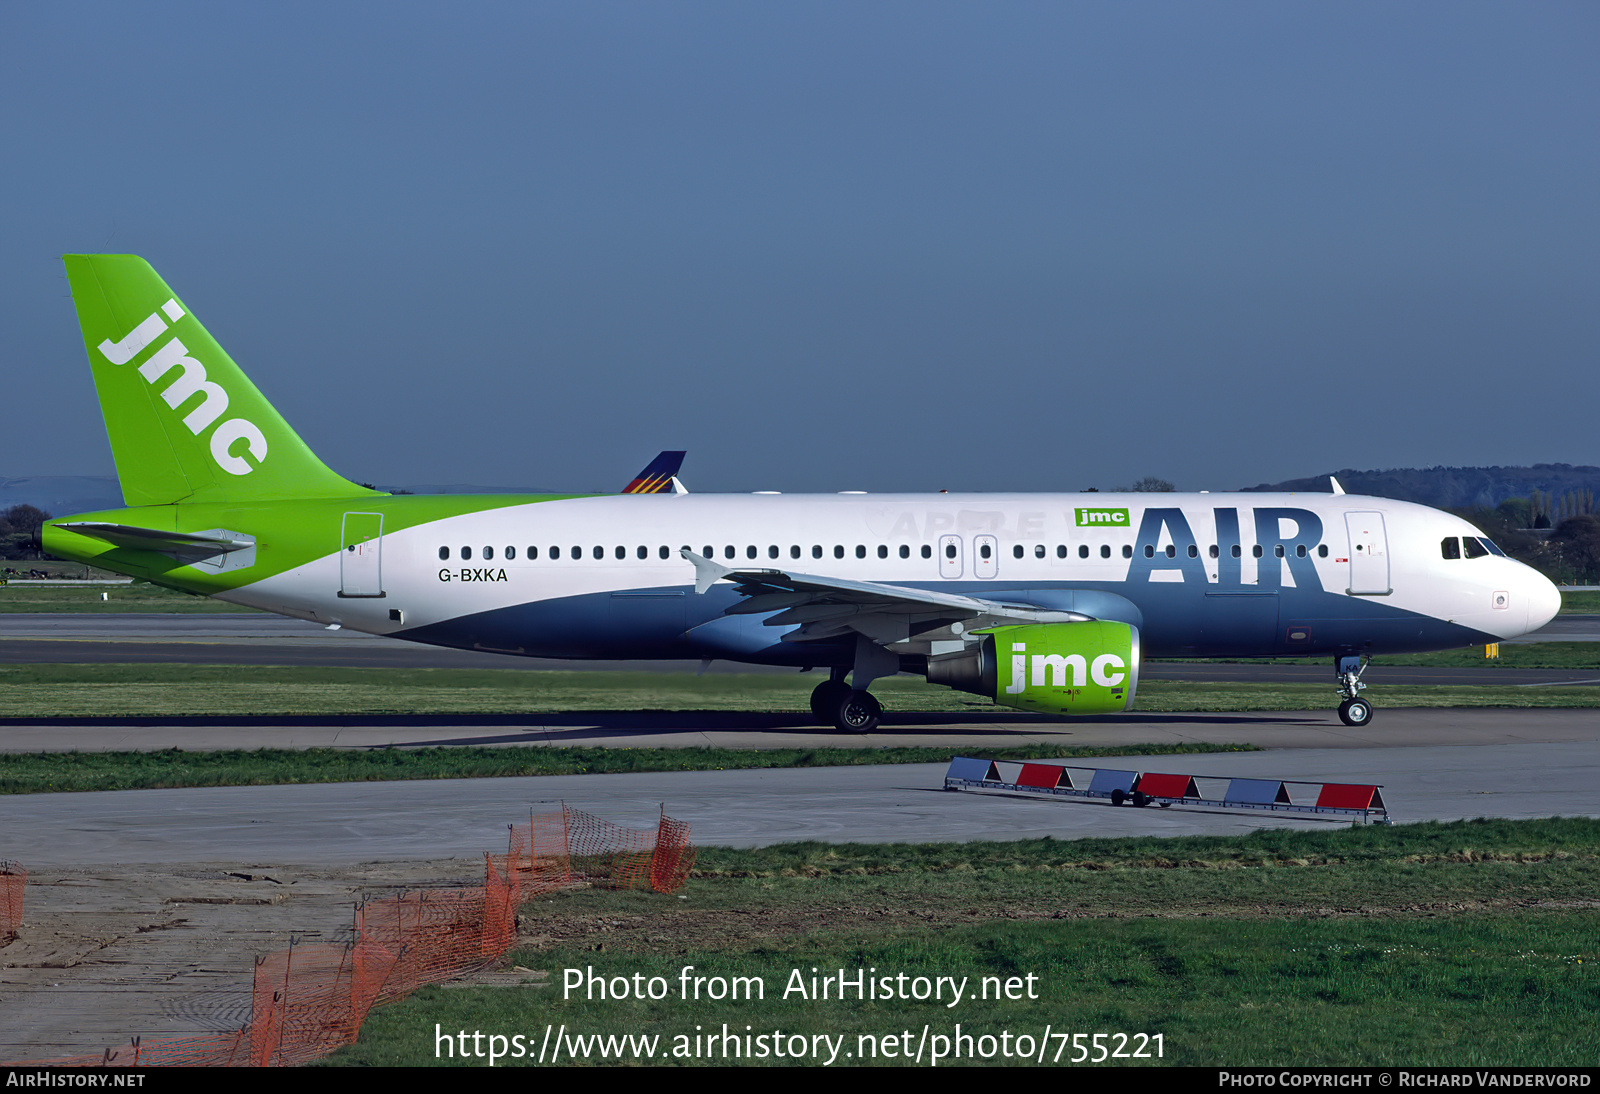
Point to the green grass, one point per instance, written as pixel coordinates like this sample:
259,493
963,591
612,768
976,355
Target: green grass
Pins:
1463,944
34,691
1531,655
1584,602
61,772
137,597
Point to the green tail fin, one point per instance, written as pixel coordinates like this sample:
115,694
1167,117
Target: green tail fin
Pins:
185,423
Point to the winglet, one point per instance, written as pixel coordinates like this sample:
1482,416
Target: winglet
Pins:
660,476
1337,489
706,572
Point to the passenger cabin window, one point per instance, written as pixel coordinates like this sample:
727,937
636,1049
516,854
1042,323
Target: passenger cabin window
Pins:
794,552
622,553
905,550
444,553
1299,550
861,550
533,552
1038,550
555,552
1172,550
1127,550
1149,550
488,553
1213,550
927,551
1278,550
1322,550
644,553
772,551
750,551
1255,552
599,553
511,552
729,551
883,551
1235,550
838,550
949,550
1194,551
466,553
816,550
1016,552
1105,550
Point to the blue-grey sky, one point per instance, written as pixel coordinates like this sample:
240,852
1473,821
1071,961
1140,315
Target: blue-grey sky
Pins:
824,246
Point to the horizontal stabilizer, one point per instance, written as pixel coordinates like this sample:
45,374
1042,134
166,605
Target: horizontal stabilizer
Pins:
186,547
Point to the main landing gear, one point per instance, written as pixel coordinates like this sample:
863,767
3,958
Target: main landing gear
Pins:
847,709
1354,711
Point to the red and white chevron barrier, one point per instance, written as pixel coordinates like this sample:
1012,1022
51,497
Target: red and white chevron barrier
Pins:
1363,802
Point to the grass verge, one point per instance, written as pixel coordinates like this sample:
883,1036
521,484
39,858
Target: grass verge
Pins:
63,772
41,691
138,597
1460,944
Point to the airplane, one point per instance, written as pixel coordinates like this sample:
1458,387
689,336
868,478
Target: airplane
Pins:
1039,602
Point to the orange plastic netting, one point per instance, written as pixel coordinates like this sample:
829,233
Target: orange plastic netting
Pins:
13,881
309,1000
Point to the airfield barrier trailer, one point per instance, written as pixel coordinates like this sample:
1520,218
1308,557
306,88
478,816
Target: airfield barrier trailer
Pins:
1362,802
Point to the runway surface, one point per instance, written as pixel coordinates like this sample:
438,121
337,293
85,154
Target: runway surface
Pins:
1513,764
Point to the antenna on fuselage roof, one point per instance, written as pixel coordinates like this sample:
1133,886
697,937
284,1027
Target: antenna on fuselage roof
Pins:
1337,489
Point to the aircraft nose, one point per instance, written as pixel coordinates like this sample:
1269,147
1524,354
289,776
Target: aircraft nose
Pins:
1542,598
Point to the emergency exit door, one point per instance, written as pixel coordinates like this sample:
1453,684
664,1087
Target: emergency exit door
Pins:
361,555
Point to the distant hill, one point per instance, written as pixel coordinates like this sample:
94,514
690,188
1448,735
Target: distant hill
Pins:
59,495
1454,487
62,495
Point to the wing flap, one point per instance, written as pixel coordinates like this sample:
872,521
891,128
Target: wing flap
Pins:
826,607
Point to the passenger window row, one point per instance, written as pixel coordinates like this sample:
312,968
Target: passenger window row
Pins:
487,554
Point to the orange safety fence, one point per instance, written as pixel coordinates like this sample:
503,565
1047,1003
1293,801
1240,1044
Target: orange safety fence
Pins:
309,1000
576,847
13,880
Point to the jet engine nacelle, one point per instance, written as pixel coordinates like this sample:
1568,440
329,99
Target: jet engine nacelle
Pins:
1053,668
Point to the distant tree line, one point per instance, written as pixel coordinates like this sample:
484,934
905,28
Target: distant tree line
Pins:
1545,485
1568,553
19,531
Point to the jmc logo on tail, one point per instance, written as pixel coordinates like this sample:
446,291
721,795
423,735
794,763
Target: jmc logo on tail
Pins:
191,381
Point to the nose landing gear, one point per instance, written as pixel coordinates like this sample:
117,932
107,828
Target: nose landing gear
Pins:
1354,711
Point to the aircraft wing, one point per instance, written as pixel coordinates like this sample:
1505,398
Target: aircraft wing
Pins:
911,620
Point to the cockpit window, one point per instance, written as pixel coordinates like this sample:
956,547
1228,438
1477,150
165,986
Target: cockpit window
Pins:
1473,547
1493,550
1450,547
